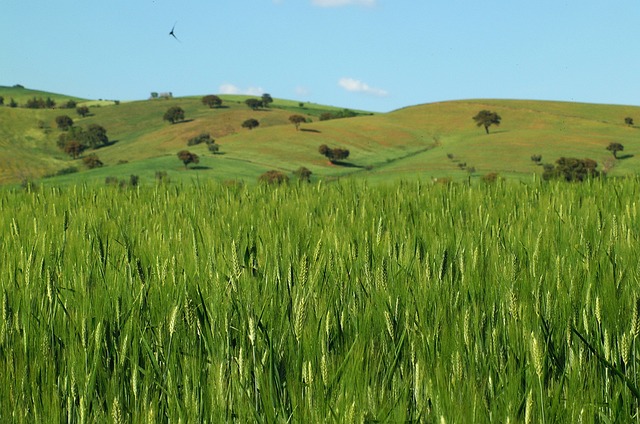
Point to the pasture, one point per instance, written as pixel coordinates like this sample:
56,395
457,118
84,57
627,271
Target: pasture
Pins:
346,302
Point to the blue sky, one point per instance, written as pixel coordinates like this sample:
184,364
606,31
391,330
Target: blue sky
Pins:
376,55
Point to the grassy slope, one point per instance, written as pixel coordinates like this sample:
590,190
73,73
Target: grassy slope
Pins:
405,143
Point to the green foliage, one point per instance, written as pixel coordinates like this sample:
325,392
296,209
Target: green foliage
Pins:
333,155
486,118
212,101
615,148
628,121
303,174
187,157
344,113
74,148
64,122
174,114
273,177
254,104
82,111
572,170
204,137
297,120
250,123
92,161
266,99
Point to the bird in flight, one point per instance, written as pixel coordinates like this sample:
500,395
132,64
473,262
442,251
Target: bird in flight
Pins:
172,33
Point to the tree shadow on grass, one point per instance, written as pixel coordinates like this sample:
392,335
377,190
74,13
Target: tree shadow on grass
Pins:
347,164
198,167
184,121
107,144
309,130
625,157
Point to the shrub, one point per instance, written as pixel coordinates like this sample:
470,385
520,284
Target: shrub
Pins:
491,177
536,158
199,139
572,170
92,161
162,177
273,177
303,174
64,122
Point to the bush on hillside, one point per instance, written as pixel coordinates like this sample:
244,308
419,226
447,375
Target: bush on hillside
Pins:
572,170
273,177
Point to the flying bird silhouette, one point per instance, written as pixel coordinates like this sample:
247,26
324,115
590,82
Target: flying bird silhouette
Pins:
172,33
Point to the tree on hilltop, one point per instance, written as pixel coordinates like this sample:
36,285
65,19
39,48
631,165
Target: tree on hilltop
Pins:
212,101
266,99
174,114
629,121
615,148
486,118
254,104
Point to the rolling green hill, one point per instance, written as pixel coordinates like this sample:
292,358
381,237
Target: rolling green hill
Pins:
424,141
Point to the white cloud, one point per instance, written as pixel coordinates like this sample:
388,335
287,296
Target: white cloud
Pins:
338,3
234,89
302,91
358,86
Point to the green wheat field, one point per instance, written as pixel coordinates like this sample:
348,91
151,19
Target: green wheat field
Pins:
509,302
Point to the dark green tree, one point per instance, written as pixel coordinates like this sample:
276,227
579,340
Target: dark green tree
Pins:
615,148
254,104
187,157
64,122
250,123
212,101
571,169
629,121
333,155
266,99
174,114
486,118
95,136
82,111
1,100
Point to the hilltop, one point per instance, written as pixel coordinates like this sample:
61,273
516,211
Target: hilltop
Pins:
422,141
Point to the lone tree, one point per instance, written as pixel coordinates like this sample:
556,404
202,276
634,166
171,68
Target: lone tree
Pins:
64,122
250,123
254,104
96,136
297,120
187,157
333,155
174,114
266,99
615,148
82,111
486,118
212,101
629,121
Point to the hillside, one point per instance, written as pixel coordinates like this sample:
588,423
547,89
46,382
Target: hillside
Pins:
412,142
